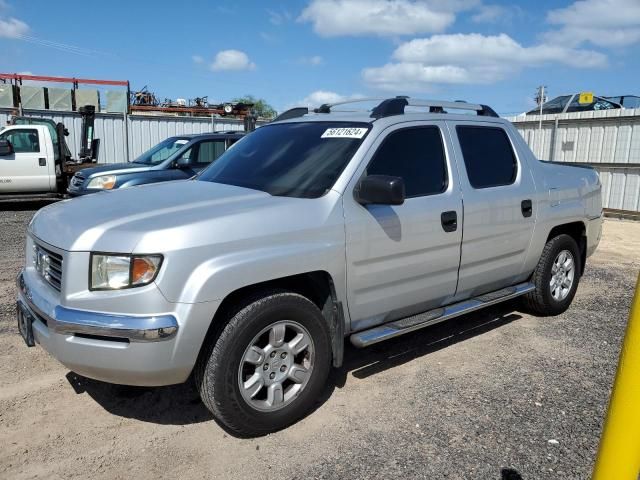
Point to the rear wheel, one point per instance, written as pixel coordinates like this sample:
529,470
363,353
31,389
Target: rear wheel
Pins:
556,277
268,366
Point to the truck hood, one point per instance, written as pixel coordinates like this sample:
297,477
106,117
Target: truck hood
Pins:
115,168
158,217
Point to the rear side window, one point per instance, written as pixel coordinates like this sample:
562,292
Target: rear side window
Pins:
209,150
488,156
417,156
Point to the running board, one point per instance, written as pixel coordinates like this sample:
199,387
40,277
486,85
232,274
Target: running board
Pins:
431,317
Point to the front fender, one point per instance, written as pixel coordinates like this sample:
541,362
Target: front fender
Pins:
217,277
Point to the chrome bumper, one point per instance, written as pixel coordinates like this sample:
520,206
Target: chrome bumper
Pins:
70,321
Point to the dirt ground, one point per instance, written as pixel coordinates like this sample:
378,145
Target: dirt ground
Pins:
493,395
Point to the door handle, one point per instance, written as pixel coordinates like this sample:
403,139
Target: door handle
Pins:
449,221
42,162
527,208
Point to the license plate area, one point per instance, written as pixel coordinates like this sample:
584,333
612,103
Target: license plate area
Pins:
25,324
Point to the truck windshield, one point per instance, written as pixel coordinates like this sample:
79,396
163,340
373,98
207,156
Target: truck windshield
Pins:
162,151
302,159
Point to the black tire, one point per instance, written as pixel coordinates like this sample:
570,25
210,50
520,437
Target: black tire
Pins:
217,370
541,301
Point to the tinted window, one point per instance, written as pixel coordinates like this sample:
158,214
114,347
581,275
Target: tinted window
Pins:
488,156
597,104
555,105
162,151
23,140
301,159
209,150
416,155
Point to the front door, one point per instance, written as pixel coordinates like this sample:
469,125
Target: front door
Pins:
198,157
27,169
401,260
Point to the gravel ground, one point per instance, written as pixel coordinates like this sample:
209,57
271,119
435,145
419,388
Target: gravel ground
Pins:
494,395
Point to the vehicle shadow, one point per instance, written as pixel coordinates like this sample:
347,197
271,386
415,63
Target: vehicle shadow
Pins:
24,205
172,405
362,363
181,405
510,474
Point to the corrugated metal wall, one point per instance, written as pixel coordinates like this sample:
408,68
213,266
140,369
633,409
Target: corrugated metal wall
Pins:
118,144
609,140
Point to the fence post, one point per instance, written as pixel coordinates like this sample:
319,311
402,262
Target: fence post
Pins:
619,452
126,136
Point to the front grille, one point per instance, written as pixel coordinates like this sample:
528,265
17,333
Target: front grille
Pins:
77,180
49,265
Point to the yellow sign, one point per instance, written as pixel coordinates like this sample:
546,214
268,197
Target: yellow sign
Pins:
585,97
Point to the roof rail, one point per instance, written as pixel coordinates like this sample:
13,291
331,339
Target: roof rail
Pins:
396,106
291,113
326,107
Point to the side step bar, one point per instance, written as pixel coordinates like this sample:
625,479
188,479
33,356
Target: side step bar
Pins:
431,317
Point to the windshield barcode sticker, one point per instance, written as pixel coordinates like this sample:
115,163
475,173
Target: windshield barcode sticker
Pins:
344,133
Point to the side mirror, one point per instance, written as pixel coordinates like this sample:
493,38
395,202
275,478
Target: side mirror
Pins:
182,162
5,148
381,190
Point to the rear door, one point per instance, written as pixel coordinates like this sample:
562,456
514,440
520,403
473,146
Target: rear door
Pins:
30,167
400,259
498,193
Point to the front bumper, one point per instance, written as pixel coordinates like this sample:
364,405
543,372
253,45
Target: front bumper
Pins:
143,350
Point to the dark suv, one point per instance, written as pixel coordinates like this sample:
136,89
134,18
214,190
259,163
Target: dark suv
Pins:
176,158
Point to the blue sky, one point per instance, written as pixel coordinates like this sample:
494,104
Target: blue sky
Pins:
297,52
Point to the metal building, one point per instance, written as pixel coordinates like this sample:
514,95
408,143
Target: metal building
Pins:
608,140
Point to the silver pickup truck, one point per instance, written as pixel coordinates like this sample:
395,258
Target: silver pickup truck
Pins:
308,231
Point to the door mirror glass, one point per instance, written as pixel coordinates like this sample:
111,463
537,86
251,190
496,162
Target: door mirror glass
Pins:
184,160
5,148
381,190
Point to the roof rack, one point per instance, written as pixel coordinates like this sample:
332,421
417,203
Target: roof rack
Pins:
291,113
396,106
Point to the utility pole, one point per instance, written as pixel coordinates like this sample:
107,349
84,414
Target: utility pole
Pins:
540,98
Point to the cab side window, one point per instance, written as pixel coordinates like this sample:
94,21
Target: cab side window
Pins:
417,156
208,151
23,140
488,156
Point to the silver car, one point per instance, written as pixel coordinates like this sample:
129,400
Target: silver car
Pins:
307,232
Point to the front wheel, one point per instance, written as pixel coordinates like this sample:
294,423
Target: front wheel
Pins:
268,366
555,278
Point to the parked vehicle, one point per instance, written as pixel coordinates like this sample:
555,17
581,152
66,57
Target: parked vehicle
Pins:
626,101
310,230
35,160
571,103
176,158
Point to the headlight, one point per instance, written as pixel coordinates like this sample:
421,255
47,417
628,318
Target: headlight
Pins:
112,272
104,182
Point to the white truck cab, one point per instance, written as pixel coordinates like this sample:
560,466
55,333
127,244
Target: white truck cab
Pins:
27,160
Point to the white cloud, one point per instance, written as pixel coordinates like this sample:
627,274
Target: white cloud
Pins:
197,59
497,13
331,18
278,18
232,60
13,28
606,23
320,97
314,61
469,59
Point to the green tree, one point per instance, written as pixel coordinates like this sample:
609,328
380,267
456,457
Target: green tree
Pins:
260,105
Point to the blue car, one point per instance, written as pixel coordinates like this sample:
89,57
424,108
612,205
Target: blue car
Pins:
176,158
